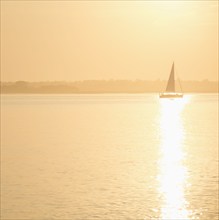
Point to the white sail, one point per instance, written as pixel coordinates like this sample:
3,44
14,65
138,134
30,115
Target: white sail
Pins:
171,81
170,89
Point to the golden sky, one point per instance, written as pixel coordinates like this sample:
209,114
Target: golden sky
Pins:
79,40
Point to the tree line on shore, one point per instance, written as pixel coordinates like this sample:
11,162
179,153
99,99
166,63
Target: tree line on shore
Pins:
104,86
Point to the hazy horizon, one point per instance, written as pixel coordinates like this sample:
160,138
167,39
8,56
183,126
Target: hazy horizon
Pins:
105,86
131,80
102,40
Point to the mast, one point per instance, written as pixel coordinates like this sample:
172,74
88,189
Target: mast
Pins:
171,82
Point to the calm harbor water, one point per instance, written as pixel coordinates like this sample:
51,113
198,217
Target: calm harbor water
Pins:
109,156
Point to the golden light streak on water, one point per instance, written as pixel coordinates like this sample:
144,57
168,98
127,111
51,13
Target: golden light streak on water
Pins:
173,172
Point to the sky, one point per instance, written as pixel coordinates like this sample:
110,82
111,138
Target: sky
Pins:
102,40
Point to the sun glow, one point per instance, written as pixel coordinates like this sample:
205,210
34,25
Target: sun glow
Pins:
170,4
173,173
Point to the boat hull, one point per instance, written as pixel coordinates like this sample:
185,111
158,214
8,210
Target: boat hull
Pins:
171,96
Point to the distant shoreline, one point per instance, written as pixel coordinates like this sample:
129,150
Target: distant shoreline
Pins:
98,93
104,87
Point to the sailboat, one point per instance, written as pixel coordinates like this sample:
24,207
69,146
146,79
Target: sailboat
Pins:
170,89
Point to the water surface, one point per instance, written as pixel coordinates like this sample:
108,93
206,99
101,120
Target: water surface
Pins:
109,157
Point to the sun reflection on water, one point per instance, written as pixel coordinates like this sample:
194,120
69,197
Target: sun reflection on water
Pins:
173,173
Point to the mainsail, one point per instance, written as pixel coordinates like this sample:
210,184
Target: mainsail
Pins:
171,82
170,89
